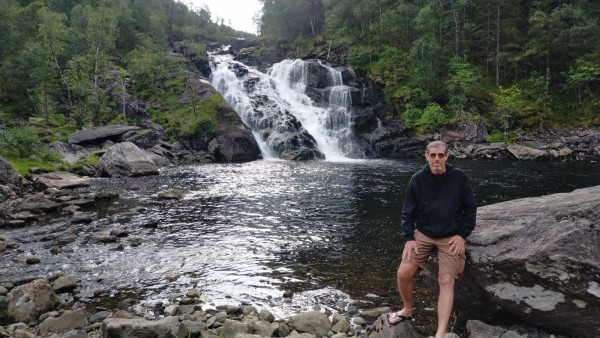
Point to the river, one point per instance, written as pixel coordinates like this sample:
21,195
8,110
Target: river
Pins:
327,231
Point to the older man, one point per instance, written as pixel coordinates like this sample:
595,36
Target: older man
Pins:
438,216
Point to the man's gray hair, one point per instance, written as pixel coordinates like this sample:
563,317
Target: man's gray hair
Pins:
438,144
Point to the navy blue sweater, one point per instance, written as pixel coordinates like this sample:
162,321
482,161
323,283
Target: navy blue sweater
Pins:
439,205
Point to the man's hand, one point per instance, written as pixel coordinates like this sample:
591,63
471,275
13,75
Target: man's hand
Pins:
457,245
409,247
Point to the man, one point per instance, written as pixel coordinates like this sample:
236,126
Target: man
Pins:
438,215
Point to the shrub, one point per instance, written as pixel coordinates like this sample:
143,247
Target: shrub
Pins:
19,142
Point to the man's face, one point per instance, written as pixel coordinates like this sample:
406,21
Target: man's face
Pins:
436,157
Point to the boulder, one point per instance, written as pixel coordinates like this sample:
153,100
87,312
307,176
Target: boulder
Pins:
31,300
100,134
126,159
70,320
60,180
64,284
139,328
522,152
313,322
10,181
536,259
8,175
234,145
381,328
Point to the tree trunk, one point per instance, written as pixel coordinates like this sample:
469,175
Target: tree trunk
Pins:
498,48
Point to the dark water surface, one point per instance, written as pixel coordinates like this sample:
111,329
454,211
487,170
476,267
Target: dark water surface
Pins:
327,231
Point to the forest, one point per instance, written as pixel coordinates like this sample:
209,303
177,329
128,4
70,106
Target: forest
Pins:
511,64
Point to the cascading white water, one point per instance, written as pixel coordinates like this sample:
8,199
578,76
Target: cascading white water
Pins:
273,103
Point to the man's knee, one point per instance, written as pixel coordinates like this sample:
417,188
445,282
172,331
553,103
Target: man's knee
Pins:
446,281
406,272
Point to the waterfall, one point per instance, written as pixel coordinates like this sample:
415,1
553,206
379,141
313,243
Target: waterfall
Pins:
296,107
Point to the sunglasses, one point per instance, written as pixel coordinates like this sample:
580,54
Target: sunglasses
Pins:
438,155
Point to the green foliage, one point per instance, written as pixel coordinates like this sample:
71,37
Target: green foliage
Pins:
360,57
500,136
186,122
433,116
19,142
412,116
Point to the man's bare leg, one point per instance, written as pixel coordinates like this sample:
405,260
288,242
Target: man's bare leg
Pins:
405,275
445,303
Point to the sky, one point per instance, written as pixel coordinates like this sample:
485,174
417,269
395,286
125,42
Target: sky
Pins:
240,12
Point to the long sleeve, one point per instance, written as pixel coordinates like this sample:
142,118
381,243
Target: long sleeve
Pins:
409,213
468,215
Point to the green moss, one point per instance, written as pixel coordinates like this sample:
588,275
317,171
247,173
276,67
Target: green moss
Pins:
22,165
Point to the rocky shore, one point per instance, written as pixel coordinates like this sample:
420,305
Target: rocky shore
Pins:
34,310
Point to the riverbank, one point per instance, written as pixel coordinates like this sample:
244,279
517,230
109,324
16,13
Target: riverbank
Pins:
30,311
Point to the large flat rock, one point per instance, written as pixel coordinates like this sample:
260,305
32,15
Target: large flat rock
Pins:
539,260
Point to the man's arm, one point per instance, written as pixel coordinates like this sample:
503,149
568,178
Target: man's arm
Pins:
409,213
468,215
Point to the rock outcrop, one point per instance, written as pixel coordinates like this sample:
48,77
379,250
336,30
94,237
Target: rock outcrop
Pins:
100,134
124,160
537,259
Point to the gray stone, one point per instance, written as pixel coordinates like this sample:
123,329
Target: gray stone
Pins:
81,217
382,329
126,159
372,314
60,180
313,322
191,329
172,310
8,175
31,300
469,131
99,316
341,326
522,152
266,315
70,320
37,203
64,284
538,259
479,329
231,328
140,328
100,134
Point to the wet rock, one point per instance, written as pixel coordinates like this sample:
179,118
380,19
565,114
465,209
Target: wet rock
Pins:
120,232
64,284
313,322
60,180
172,194
479,329
33,260
536,258
340,324
126,159
192,329
70,320
106,196
100,134
193,293
108,239
37,203
25,216
234,145
31,300
81,217
232,328
172,310
72,209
